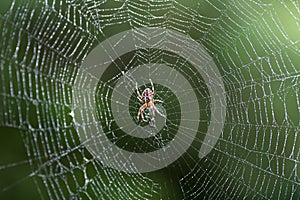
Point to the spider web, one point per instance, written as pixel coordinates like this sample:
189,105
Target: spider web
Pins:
43,56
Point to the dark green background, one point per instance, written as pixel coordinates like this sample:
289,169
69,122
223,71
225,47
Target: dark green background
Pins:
256,48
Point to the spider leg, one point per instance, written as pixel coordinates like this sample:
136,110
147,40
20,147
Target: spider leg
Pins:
140,99
140,113
152,122
138,93
159,101
152,86
154,108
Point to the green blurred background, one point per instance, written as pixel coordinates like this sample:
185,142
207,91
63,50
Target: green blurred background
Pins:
255,45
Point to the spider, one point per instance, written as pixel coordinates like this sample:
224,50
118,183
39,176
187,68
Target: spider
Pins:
147,98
